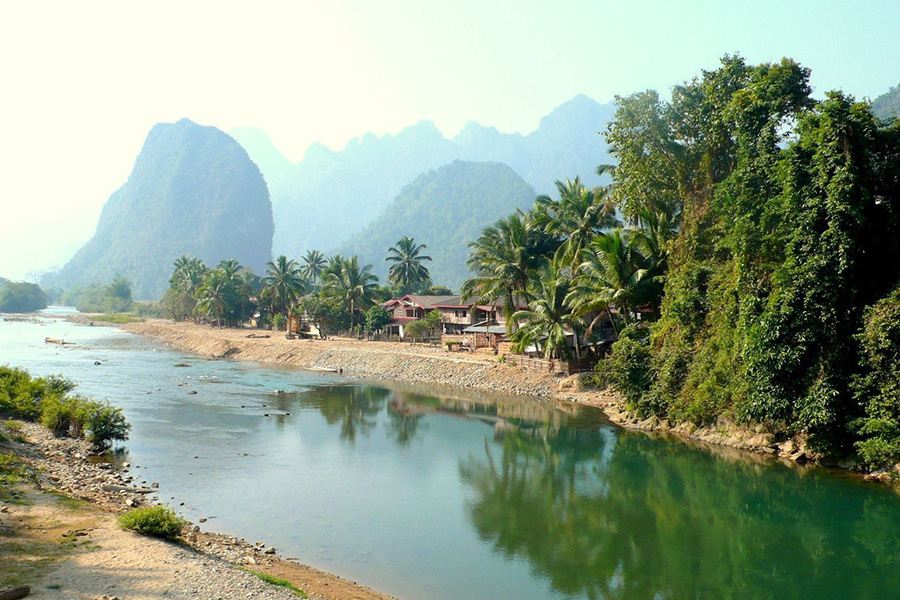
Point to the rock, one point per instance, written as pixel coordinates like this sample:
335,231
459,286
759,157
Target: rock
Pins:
192,392
96,362
269,551
13,593
203,519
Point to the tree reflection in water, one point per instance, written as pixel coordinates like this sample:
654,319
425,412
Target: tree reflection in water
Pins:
353,406
608,514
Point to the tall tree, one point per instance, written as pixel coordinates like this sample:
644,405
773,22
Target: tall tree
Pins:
355,285
502,259
283,284
548,321
576,218
407,270
313,264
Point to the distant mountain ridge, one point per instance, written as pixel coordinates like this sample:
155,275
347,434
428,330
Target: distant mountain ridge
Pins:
444,209
193,190
330,195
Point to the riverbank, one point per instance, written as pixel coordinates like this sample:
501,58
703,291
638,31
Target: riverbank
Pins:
58,534
431,365
372,360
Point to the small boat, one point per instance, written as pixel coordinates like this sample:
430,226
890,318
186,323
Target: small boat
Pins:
50,340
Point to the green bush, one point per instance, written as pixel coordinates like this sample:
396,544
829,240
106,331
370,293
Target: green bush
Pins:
628,367
155,521
103,422
47,400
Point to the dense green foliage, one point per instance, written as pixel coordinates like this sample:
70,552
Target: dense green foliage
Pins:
21,297
193,190
445,209
788,211
48,400
114,297
155,521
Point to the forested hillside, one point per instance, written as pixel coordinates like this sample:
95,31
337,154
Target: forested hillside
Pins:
887,105
193,190
445,210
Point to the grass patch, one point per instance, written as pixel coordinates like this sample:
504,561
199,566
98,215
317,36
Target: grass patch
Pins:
119,318
272,580
12,472
155,521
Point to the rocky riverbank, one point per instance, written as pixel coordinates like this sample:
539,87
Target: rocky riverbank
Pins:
373,360
77,548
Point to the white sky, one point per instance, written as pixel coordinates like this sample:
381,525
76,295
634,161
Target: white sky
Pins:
83,82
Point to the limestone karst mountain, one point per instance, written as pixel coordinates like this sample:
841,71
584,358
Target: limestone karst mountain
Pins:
330,195
193,190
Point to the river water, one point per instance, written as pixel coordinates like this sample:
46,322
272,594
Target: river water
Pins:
427,496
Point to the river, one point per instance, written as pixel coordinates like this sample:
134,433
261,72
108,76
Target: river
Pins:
426,496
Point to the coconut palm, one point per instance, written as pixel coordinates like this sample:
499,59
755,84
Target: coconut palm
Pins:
610,273
547,321
283,284
353,284
407,270
576,218
188,274
313,265
501,259
213,296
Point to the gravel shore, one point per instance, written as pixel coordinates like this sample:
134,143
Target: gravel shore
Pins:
107,562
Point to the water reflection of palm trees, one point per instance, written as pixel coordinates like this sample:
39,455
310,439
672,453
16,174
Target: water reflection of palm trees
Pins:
609,515
354,407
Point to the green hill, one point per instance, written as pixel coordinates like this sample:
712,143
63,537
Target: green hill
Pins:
193,190
887,105
444,209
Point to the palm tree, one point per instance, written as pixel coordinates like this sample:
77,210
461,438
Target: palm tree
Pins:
407,269
576,218
284,284
188,274
353,284
213,296
313,265
548,319
610,273
501,259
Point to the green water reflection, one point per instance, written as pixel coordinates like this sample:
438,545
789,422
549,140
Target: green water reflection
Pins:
617,515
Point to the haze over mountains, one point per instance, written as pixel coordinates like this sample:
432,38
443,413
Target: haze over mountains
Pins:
196,190
444,209
328,196
193,190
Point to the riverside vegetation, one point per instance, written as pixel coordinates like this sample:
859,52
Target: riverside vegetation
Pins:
758,223
49,402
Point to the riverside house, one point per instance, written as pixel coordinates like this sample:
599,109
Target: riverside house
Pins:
473,324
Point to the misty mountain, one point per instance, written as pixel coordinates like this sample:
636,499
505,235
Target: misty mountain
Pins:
444,209
193,190
330,195
887,105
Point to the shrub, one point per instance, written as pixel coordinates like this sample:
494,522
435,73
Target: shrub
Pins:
155,521
61,416
628,367
103,422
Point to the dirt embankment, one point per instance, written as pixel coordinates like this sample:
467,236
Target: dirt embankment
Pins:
375,360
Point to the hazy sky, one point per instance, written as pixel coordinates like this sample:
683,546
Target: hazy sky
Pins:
83,82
